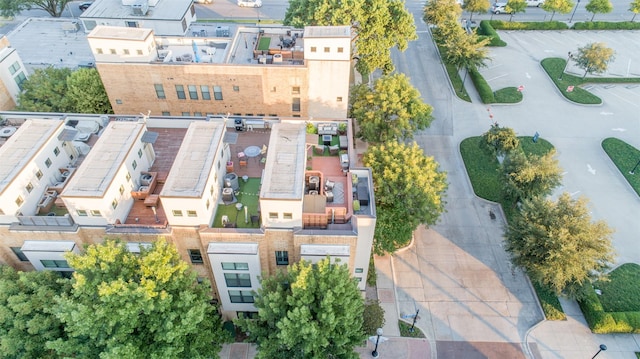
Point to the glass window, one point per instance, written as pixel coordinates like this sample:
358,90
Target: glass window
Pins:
313,49
282,258
340,49
198,114
20,79
237,279
195,256
180,92
56,151
140,153
19,201
118,101
273,215
240,296
236,88
287,216
339,99
52,263
295,90
191,213
126,51
193,92
326,49
295,105
206,95
14,68
166,113
235,266
81,212
134,164
95,213
99,51
48,162
29,187
139,52
160,91
114,203
359,270
39,174
121,189
217,93
128,176
18,252
186,113
177,213
113,51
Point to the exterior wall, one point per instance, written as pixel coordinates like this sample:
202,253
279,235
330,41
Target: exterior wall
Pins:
9,88
280,207
110,50
161,26
49,251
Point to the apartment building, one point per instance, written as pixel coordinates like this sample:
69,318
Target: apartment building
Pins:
12,75
238,196
259,71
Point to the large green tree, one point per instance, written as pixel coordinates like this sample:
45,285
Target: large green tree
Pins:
27,319
499,141
514,7
553,6
391,110
479,6
530,176
13,7
409,190
634,7
594,58
124,305
464,50
599,7
558,244
310,312
377,25
441,12
87,93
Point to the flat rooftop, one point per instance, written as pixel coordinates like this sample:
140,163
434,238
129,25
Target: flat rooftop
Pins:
113,9
287,145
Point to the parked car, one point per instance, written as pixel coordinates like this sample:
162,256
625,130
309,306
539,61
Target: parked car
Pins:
203,1
85,5
536,3
250,3
499,8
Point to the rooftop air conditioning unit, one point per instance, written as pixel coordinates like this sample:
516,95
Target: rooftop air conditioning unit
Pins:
140,9
277,58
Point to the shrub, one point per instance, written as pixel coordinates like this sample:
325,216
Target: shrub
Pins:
602,322
485,29
373,317
546,25
601,25
483,88
372,276
311,129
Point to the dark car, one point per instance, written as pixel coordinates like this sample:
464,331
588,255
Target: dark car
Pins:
85,5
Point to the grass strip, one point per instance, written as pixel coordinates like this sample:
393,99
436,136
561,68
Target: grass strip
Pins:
625,157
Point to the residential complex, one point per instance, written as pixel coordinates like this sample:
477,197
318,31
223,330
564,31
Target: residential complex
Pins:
12,74
238,196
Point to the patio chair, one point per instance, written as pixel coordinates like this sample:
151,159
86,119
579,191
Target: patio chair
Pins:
243,162
263,151
319,150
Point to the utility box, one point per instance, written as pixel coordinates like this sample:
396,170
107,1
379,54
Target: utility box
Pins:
222,31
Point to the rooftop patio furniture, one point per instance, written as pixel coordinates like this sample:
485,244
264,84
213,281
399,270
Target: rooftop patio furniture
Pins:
319,150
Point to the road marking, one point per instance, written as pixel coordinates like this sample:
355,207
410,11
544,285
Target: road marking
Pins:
619,129
527,74
590,169
606,113
497,77
574,193
564,173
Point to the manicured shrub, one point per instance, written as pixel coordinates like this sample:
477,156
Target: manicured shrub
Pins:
602,25
546,25
602,322
486,30
483,88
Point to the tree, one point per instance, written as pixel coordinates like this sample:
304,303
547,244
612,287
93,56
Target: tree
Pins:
10,8
463,50
373,317
27,319
136,306
45,91
530,176
634,7
553,6
87,93
312,311
440,12
594,58
479,6
558,244
599,7
391,110
499,141
408,188
377,25
515,6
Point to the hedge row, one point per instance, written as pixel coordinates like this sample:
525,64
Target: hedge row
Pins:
483,88
602,322
546,25
485,29
602,25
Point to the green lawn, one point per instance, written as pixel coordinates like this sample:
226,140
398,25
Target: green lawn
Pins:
264,43
622,292
508,95
549,302
404,330
248,196
625,157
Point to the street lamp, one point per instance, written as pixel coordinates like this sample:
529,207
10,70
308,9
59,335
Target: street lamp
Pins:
602,348
574,11
569,57
633,171
374,353
414,321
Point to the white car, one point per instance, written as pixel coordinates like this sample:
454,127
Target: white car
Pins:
499,8
250,3
203,1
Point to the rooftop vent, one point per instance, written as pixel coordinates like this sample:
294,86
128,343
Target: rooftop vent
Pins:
140,9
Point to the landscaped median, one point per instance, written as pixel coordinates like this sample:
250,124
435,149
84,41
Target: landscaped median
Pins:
626,158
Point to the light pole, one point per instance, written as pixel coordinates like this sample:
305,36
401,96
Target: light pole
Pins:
414,321
574,11
374,353
569,57
602,348
633,171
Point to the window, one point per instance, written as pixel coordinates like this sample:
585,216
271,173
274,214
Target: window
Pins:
326,49
19,201
134,164
39,174
14,68
248,315
20,78
339,99
340,50
140,153
81,212
114,204
131,23
295,105
118,101
112,51
99,51
29,187
240,296
18,252
160,91
52,263
287,216
47,162
206,95
282,258
236,88
180,92
235,266
196,256
208,204
96,213
191,213
217,93
295,90
128,176
177,213
197,114
139,52
186,113
166,113
313,49
121,189
237,279
273,215
126,51
273,89
56,151
193,92
211,189
359,270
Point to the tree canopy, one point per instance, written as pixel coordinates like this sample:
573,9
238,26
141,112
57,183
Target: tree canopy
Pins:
390,110
409,190
27,320
499,141
377,25
11,8
530,176
441,12
312,311
558,244
553,6
594,58
479,6
136,306
599,7
634,7
63,90
514,7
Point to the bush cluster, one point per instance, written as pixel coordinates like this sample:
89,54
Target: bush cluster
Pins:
602,322
602,25
546,25
485,29
483,88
